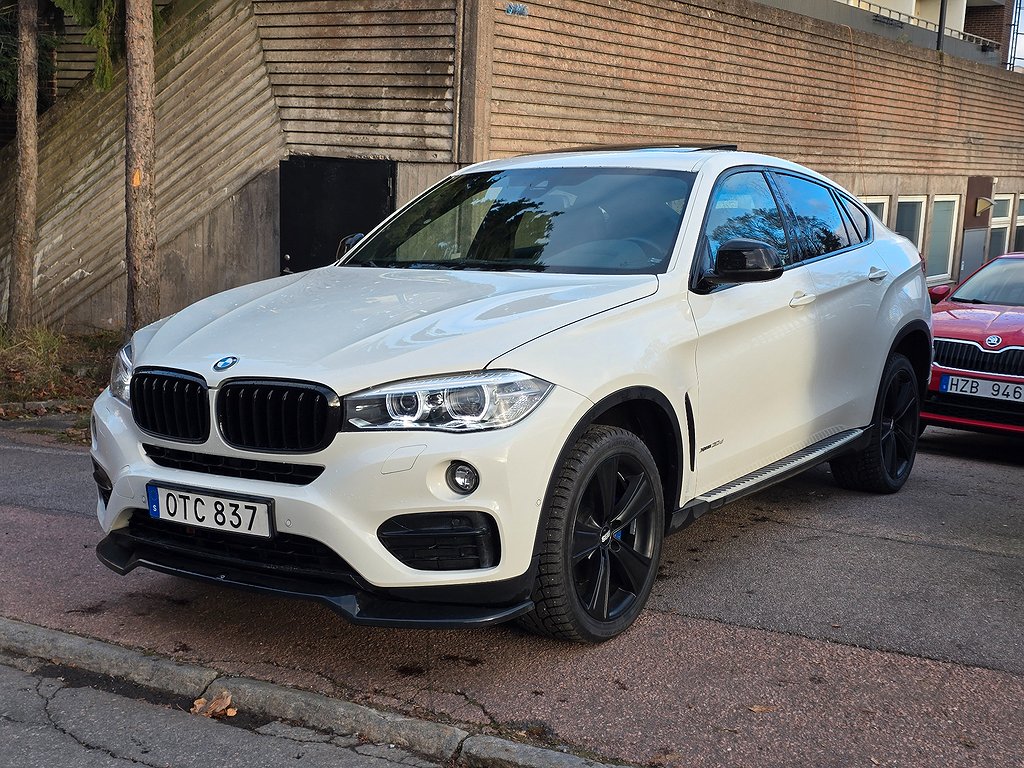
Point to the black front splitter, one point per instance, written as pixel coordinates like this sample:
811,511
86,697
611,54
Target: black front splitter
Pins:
356,605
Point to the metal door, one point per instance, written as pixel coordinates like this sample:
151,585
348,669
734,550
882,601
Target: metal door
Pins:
325,199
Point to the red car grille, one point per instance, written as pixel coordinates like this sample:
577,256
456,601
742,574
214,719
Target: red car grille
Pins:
968,356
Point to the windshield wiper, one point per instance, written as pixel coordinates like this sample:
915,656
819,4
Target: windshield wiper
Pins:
969,301
464,264
508,266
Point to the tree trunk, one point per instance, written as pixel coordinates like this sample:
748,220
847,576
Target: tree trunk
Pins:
19,306
143,306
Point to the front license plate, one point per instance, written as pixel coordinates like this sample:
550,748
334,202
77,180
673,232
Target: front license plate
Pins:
994,390
189,506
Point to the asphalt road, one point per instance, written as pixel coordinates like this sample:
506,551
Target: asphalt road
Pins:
53,718
804,625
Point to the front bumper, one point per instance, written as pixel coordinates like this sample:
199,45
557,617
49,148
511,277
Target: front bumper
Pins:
360,605
367,479
978,414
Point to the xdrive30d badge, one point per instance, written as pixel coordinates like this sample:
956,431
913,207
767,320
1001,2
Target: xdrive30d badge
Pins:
497,404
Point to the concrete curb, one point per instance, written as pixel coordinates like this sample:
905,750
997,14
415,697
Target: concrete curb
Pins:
104,658
434,740
327,714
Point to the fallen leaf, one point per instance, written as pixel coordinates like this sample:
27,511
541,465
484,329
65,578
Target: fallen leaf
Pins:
759,708
220,706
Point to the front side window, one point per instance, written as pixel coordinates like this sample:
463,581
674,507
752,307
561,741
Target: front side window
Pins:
743,208
818,223
574,220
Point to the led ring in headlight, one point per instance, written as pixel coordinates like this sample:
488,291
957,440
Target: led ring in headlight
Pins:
467,403
404,406
460,403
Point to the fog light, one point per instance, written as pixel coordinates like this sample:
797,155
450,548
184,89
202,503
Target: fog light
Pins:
462,477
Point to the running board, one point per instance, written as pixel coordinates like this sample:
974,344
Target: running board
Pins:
760,479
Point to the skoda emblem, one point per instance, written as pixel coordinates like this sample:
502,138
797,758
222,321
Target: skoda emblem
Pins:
993,341
224,363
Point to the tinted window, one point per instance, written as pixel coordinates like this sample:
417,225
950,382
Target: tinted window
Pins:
858,217
819,225
1000,282
743,207
578,220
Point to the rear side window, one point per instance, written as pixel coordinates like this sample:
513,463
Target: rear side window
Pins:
819,225
859,233
743,207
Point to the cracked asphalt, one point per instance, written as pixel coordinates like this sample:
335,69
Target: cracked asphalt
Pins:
805,625
50,719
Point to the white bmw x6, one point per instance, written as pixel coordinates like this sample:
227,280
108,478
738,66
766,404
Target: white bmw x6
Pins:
500,401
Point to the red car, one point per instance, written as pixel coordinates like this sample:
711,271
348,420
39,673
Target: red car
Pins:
978,368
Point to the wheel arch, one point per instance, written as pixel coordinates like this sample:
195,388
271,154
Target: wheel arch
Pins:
647,413
914,341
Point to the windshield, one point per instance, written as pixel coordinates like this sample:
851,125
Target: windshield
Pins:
1001,282
576,220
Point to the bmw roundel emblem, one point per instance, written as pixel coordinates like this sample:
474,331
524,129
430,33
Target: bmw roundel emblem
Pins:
224,363
993,341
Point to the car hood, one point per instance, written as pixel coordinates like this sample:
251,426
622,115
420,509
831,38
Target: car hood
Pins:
973,322
354,327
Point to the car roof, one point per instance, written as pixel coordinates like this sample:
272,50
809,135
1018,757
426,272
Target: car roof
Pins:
668,157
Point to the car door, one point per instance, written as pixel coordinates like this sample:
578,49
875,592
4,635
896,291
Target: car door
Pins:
849,281
757,342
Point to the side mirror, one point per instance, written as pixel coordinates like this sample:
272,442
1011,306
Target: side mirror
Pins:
347,243
939,292
745,261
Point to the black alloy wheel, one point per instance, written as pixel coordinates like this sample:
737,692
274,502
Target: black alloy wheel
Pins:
604,528
899,423
612,539
884,465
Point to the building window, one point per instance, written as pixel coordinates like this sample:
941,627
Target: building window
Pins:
942,236
910,218
999,234
878,205
1018,233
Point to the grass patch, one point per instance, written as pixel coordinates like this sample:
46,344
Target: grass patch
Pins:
42,364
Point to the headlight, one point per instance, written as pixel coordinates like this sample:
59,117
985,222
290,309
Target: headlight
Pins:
121,374
462,403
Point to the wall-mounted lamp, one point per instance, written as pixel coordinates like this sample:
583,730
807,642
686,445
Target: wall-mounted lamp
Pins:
984,203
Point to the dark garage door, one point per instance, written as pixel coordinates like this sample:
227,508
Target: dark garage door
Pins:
325,199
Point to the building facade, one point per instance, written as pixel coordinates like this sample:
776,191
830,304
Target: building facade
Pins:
284,125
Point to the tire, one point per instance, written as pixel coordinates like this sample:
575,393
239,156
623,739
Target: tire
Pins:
884,465
601,542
